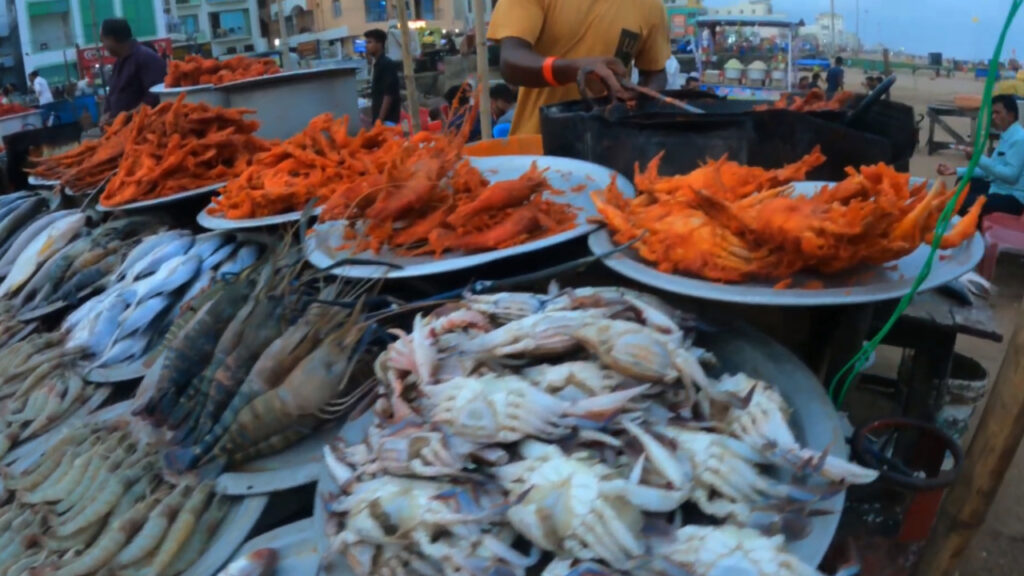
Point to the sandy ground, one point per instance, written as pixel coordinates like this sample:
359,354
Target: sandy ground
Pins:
998,549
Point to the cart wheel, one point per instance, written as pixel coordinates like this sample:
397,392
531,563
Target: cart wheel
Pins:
873,446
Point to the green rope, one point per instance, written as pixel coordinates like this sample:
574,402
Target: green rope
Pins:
849,372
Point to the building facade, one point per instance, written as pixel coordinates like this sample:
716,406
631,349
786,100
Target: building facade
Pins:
358,16
822,30
749,8
230,26
50,30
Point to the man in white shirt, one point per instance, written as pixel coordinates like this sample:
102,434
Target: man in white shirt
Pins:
41,87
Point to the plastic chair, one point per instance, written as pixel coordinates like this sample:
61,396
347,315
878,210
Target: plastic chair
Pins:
1003,233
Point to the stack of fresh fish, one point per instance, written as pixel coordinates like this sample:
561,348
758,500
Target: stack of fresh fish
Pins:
40,388
129,318
259,366
95,502
83,265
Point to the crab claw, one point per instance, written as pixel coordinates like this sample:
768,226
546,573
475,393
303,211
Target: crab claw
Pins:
605,406
829,467
662,459
793,525
341,472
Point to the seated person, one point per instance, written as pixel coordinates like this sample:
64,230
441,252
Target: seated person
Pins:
804,83
816,81
999,177
460,106
503,103
692,81
871,82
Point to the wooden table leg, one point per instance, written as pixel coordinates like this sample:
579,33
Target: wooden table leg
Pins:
931,132
995,443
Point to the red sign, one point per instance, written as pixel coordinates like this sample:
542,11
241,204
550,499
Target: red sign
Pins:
678,25
90,58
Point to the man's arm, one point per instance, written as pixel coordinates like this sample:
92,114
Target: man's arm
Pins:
385,107
521,66
516,24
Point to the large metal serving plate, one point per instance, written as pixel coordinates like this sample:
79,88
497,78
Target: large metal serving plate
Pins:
879,283
37,181
195,94
296,548
738,348
297,465
217,223
564,174
205,190
286,102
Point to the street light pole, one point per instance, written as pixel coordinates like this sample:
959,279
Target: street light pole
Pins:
832,16
857,32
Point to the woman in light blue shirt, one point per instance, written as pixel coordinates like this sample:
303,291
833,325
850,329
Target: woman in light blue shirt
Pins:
999,177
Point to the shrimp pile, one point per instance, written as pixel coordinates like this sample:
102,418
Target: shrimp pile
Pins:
575,420
85,167
312,165
814,101
730,223
426,199
40,387
95,502
181,146
196,70
255,368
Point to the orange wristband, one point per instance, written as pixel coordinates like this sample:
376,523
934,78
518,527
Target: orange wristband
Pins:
549,71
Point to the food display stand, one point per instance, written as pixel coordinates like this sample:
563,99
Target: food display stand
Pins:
357,346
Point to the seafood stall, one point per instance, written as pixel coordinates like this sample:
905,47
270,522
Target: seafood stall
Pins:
220,352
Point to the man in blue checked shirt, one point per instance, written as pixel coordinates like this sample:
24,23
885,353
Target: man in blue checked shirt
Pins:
1000,176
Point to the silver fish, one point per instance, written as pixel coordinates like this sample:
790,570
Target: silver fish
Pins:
174,274
27,235
219,256
10,207
40,249
146,248
245,257
207,244
53,271
101,332
14,197
122,351
83,312
138,317
20,214
201,283
149,265
260,562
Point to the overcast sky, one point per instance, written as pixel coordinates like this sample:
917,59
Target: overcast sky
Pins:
919,26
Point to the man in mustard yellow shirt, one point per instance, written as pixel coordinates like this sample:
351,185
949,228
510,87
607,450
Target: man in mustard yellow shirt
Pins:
546,43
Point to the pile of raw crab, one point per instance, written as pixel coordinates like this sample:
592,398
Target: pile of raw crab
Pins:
580,430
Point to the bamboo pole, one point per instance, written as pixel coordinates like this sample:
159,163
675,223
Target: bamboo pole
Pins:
995,443
407,67
483,83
